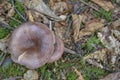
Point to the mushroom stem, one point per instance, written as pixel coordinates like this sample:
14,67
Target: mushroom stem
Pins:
50,25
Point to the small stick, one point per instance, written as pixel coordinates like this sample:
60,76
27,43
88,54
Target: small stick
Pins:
13,18
6,25
69,51
3,55
50,25
14,78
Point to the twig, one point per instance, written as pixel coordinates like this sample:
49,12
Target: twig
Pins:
6,25
50,25
2,57
69,26
13,18
69,51
14,78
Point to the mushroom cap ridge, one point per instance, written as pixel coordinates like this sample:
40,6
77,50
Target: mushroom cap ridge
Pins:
58,51
33,40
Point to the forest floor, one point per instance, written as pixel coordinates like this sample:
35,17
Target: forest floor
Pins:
89,28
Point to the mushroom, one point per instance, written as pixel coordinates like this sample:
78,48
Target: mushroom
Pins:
32,45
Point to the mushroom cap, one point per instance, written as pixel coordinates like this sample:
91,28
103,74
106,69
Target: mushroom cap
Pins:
59,48
31,44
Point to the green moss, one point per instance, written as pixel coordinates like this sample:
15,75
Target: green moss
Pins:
52,72
3,32
87,47
12,70
93,73
45,72
65,65
20,8
103,14
71,76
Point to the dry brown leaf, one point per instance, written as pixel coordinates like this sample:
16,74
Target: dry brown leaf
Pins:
10,13
30,16
4,6
60,29
98,55
91,27
116,23
110,38
40,7
76,26
59,7
102,57
105,4
51,2
112,76
80,77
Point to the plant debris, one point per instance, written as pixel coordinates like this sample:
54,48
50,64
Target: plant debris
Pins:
90,30
31,75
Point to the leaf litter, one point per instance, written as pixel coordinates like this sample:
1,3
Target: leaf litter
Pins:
74,26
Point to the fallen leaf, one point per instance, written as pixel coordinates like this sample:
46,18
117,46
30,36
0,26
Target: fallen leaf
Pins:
61,30
41,7
97,55
29,13
105,4
80,77
59,7
116,34
91,27
5,6
116,23
111,40
10,13
51,3
76,26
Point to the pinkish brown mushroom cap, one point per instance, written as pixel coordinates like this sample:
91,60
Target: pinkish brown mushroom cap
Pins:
31,45
59,48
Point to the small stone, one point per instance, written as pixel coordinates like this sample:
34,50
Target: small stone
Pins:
31,75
